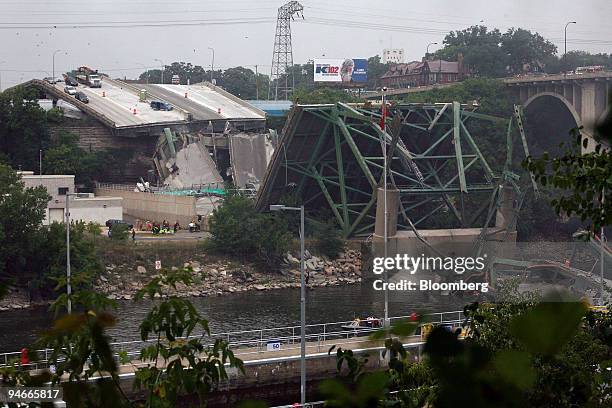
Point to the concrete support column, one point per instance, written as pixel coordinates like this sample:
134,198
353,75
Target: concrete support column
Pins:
577,98
588,106
392,210
505,213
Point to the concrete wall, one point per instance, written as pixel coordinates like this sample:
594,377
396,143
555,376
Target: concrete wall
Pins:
51,182
155,207
98,209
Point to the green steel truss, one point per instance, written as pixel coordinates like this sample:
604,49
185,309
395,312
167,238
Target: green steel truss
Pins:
331,158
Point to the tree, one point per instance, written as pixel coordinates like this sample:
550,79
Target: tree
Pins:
23,210
23,127
236,228
66,157
177,364
322,95
480,48
525,48
239,81
376,69
493,54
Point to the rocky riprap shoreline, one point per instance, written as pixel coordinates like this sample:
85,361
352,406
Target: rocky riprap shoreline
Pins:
214,276
219,277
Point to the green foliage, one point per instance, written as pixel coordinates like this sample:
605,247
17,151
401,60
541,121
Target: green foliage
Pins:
519,353
80,350
23,127
488,53
582,180
328,239
119,232
322,95
66,157
240,81
48,260
190,366
23,210
547,350
237,229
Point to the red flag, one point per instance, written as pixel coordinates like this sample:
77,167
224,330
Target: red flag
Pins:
384,114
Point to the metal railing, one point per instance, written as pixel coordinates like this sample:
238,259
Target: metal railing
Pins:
254,342
112,186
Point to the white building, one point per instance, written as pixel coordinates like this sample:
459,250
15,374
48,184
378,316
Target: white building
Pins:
84,207
393,55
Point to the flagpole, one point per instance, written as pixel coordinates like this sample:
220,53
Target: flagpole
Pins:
385,233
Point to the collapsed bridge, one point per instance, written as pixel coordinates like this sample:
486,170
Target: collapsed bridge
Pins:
444,160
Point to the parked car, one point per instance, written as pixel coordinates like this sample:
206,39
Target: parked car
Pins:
81,97
70,90
159,105
111,222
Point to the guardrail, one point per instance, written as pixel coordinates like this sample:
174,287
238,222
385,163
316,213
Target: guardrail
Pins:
251,342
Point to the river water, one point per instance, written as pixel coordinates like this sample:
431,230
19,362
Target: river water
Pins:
243,311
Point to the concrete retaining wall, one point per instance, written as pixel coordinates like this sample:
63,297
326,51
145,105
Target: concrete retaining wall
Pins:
154,207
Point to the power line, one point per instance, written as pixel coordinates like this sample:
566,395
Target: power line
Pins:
133,24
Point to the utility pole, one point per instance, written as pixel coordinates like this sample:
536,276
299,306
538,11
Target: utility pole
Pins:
212,64
163,68
282,55
68,273
256,83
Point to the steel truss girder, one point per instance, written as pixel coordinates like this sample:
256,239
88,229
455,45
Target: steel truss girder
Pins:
333,154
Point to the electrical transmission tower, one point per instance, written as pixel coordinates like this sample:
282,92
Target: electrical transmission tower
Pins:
282,57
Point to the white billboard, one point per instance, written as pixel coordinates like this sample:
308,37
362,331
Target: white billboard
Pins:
340,70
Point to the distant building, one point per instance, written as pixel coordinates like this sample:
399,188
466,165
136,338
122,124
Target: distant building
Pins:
421,73
84,207
393,56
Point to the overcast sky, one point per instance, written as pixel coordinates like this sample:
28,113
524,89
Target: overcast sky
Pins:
242,32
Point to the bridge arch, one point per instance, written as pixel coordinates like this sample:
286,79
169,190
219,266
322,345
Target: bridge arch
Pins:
550,117
560,97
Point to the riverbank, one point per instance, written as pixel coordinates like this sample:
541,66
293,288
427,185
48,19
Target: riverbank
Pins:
127,268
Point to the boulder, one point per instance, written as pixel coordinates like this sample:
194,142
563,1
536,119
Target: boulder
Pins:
141,269
292,259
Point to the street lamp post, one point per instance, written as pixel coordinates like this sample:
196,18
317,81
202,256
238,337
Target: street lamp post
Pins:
280,207
565,44
163,68
68,274
54,52
212,64
427,52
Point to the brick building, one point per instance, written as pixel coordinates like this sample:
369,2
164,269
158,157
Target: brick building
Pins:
421,73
